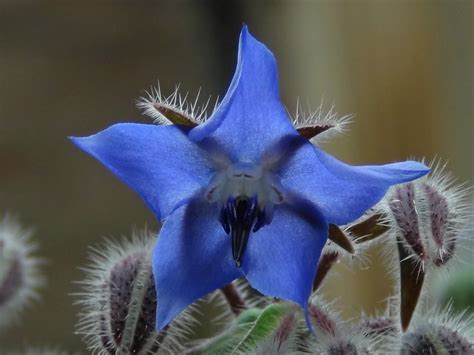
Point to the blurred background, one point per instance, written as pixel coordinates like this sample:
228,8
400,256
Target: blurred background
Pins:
403,68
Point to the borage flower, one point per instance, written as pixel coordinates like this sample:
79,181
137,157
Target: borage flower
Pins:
242,194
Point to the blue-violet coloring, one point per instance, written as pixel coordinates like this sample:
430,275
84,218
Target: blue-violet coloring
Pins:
241,195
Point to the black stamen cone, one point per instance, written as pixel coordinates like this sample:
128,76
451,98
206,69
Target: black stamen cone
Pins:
238,218
240,232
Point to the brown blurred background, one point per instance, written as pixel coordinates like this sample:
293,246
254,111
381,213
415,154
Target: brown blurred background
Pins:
404,68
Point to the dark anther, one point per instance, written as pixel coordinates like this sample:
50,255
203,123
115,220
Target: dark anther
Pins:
239,217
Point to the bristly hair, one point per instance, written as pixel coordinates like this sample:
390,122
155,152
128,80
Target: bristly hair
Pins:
330,120
257,331
428,218
285,338
440,331
362,243
119,284
332,335
154,103
20,275
443,216
164,109
383,328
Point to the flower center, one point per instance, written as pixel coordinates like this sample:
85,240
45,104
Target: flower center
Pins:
245,195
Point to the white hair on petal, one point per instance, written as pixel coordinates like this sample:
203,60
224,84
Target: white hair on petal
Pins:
320,117
175,102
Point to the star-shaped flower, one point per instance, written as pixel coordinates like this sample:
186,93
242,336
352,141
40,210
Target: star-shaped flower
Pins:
242,194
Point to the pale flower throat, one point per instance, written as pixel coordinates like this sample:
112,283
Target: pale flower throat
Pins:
245,195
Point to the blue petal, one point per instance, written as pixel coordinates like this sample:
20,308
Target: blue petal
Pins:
250,118
282,257
341,191
159,162
192,258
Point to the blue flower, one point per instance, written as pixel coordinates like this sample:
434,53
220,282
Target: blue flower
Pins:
242,194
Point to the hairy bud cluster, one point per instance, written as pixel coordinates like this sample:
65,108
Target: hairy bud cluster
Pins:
119,302
335,336
19,270
429,216
439,332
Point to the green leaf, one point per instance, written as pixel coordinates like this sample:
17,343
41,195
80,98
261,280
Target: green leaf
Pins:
249,316
252,328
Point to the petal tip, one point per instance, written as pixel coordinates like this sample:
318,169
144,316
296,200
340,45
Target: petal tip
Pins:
163,316
78,141
248,40
161,323
86,144
244,34
307,319
418,168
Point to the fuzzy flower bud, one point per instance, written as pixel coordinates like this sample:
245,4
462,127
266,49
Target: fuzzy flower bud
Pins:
334,336
405,214
439,332
19,275
382,325
119,302
429,218
384,331
430,215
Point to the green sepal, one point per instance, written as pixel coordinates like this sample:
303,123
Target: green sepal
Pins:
251,328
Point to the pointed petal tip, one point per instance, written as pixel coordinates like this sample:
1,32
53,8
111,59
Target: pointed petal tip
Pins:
165,312
308,320
73,139
256,79
248,40
401,172
415,169
161,322
246,36
85,144
416,165
78,141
